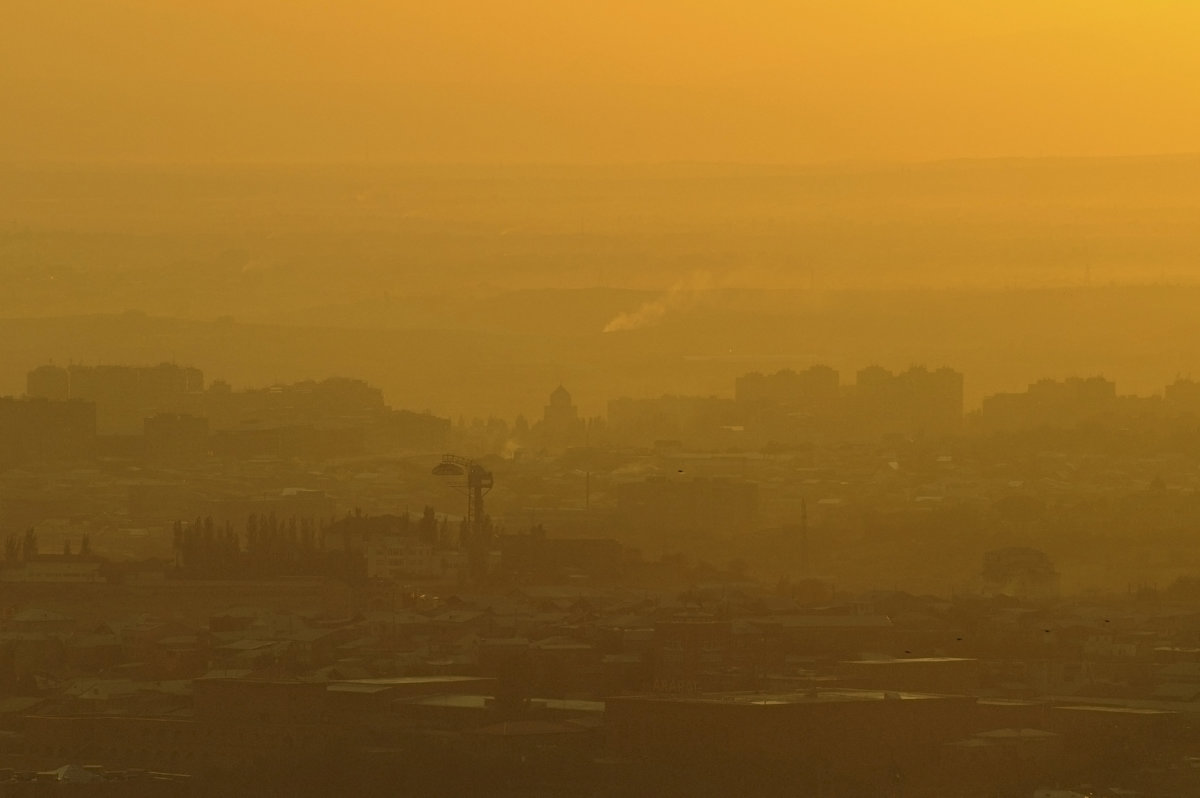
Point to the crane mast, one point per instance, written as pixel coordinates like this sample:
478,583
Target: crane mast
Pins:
477,481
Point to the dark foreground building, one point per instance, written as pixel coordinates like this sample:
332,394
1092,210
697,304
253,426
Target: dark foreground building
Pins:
819,742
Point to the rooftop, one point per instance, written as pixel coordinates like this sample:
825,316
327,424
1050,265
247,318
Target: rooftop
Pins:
396,681
821,696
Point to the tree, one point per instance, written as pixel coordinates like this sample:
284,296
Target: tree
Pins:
29,546
427,529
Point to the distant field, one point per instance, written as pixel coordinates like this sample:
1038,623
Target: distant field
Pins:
477,290
271,243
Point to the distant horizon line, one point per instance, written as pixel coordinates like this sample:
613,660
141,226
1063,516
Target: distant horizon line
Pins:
832,163
241,319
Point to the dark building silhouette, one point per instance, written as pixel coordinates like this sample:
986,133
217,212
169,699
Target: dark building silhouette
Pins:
1183,396
126,395
315,418
404,429
791,407
337,399
816,386
163,502
175,438
864,742
561,427
48,382
917,402
285,505
1049,403
697,422
40,429
541,558
267,439
169,406
707,506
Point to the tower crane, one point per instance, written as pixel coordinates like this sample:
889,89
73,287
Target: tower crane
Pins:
477,481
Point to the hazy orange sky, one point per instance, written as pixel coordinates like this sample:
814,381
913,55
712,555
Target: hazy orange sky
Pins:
622,80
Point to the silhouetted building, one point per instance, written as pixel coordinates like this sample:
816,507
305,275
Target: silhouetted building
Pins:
815,387
404,429
266,439
48,382
286,505
697,422
126,395
326,418
708,506
1183,396
56,569
790,407
398,556
561,427
163,502
40,429
1020,572
855,742
335,400
1048,403
175,438
917,402
552,559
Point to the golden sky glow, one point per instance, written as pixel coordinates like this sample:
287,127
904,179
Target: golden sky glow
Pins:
548,80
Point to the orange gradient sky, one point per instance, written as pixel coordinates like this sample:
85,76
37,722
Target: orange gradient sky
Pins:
561,80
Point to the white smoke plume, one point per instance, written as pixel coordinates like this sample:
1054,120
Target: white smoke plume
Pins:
683,294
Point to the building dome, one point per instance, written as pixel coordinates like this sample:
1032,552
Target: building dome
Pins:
560,397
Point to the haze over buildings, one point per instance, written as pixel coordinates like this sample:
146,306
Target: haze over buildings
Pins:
620,399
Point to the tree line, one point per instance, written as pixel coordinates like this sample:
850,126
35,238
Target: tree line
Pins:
270,547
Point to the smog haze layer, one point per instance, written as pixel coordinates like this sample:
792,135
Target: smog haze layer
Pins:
632,398
539,173
622,280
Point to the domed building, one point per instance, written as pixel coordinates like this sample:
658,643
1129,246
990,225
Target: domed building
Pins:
561,427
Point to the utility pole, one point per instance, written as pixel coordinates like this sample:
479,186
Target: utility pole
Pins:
803,537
